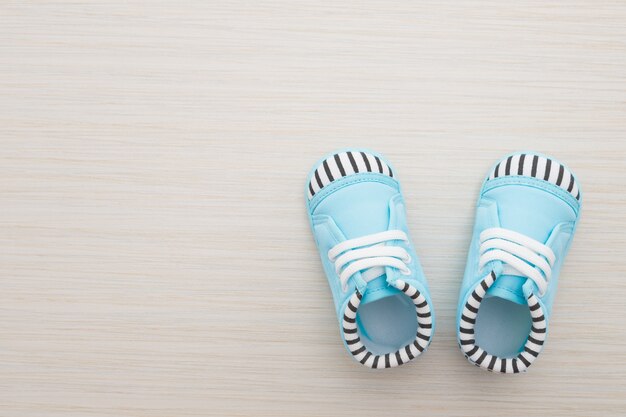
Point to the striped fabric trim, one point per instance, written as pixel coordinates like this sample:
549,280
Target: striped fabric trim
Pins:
343,164
482,358
538,167
403,355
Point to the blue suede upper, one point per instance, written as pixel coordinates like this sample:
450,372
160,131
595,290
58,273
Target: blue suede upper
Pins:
353,206
534,207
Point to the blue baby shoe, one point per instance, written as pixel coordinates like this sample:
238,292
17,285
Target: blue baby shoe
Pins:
526,217
357,215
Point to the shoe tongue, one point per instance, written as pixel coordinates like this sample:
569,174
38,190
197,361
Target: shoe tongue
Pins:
377,289
511,209
508,287
371,215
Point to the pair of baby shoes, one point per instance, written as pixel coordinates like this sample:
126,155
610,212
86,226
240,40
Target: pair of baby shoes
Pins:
527,212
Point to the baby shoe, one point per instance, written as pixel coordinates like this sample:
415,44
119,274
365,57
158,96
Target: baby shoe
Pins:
526,217
357,216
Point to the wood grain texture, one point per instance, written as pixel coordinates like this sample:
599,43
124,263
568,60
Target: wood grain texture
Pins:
156,258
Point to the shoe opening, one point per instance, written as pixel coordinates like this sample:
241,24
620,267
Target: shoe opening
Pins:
388,324
502,326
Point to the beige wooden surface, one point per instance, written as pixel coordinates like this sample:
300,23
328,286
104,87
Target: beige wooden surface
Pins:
155,255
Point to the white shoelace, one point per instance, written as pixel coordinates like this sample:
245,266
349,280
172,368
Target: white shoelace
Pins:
520,255
369,254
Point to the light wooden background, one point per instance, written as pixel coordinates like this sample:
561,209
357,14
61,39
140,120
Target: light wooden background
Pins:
155,255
